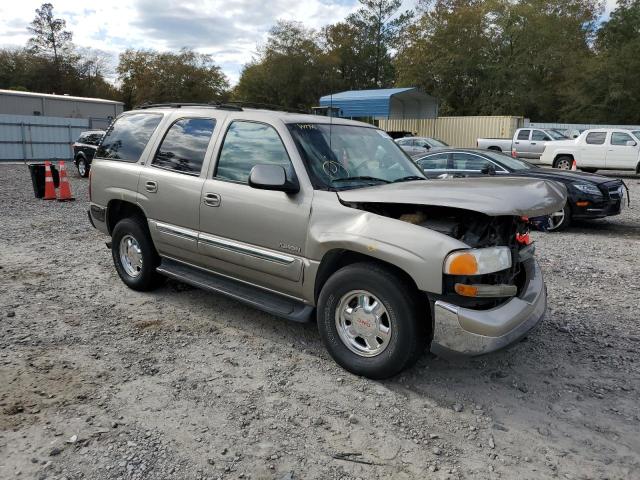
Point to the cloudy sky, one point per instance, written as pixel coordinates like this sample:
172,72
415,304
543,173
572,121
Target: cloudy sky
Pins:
228,29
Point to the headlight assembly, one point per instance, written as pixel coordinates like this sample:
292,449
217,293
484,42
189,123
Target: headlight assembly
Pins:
478,261
588,188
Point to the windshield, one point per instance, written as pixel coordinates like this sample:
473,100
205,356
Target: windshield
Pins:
507,161
345,156
557,135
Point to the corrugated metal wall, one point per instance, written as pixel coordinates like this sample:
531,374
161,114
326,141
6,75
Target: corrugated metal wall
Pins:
457,131
24,137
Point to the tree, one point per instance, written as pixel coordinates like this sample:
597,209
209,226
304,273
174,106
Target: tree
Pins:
291,69
185,76
49,35
606,88
499,56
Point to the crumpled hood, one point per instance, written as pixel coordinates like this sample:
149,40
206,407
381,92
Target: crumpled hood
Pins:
489,195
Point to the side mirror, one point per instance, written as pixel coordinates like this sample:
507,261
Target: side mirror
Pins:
272,177
488,170
631,143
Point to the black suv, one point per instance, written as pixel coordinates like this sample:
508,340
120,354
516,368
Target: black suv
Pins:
85,148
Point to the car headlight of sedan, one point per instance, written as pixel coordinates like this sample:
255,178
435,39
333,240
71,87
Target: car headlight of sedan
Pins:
478,261
588,188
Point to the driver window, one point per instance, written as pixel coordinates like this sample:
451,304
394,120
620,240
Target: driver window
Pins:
619,138
540,136
434,162
247,144
465,161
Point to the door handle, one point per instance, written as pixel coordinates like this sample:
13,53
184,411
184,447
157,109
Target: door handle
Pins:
533,143
517,143
151,187
212,199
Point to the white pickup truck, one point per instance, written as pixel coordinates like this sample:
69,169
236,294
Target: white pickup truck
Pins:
526,143
601,148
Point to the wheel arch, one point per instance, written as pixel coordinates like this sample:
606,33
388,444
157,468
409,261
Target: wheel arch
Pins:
558,155
335,259
119,209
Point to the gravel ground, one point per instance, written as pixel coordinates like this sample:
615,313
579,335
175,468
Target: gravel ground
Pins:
98,381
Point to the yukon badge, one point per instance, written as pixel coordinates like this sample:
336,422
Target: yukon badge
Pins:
289,247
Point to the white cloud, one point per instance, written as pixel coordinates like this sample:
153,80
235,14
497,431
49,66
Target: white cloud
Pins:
227,29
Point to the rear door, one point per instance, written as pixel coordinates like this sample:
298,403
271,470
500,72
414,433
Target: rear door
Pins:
622,152
593,151
170,185
521,143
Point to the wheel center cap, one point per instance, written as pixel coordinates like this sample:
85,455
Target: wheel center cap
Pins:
364,321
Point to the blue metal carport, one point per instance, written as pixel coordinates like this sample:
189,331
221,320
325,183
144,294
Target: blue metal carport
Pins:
383,103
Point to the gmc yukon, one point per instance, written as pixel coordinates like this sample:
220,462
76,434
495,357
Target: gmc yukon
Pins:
325,219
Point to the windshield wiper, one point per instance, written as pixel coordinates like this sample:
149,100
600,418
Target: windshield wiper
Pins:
360,177
409,178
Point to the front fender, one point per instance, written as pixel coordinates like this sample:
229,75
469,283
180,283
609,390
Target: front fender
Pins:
416,250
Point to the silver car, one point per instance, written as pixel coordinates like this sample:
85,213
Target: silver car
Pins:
419,145
321,219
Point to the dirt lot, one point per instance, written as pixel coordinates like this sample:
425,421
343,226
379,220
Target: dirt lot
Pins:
98,381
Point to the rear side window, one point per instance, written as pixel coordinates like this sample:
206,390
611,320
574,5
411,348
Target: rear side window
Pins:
247,144
596,138
128,136
523,135
185,144
620,138
94,139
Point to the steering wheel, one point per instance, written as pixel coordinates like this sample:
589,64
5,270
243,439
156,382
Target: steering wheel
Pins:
331,169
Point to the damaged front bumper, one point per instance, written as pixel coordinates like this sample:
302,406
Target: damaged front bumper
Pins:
465,331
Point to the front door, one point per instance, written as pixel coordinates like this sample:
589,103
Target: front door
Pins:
254,235
170,187
622,152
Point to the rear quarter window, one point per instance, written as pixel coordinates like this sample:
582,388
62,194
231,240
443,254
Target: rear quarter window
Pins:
128,136
596,138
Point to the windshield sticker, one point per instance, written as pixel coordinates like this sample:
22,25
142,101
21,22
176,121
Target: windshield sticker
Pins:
306,126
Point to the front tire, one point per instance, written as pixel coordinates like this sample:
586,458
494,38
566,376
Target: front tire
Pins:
83,167
560,220
369,320
134,255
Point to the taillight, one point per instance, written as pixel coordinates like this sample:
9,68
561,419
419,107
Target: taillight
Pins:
514,154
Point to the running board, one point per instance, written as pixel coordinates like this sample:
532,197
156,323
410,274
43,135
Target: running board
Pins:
264,300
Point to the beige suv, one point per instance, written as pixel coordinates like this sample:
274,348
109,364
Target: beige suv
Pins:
312,218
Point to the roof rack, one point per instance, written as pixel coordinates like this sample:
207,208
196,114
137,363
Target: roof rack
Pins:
230,105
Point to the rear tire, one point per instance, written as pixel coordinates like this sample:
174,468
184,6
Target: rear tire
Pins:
134,255
369,320
83,167
563,162
495,149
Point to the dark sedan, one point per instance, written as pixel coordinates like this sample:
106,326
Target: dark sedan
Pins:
589,196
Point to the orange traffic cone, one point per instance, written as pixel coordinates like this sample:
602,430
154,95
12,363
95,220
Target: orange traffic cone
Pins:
65,189
574,165
49,187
